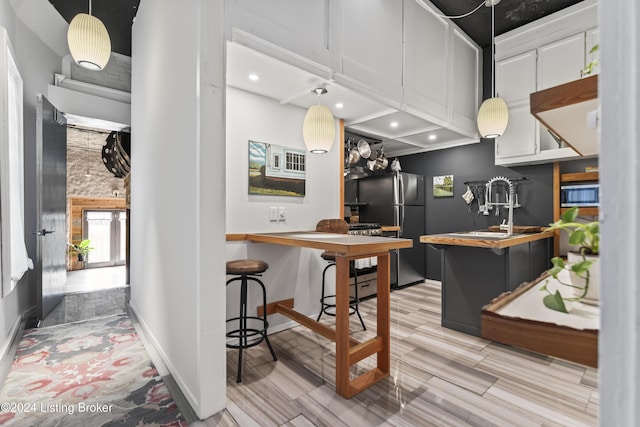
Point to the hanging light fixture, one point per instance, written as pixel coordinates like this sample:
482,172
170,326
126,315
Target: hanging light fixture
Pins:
493,115
89,41
319,128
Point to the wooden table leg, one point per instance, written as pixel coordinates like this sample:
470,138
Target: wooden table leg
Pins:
342,326
383,312
380,345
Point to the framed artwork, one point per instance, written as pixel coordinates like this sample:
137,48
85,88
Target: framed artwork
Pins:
275,170
443,186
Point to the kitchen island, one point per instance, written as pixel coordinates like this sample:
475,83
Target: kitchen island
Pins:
348,350
477,266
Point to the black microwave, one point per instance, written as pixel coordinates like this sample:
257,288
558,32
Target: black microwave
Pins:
580,195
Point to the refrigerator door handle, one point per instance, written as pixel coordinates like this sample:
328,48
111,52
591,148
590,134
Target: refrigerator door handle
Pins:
401,221
401,189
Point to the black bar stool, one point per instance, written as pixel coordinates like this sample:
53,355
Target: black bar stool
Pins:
245,336
328,302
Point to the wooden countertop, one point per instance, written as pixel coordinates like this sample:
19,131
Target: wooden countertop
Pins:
345,244
390,228
455,239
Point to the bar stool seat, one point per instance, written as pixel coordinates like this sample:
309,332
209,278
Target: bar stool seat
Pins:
248,331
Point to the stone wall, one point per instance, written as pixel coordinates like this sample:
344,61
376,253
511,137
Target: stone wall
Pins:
84,150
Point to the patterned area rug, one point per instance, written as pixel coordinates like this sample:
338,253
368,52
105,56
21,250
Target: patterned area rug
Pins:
90,373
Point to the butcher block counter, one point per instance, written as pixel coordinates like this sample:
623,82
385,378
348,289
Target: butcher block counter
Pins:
485,238
477,266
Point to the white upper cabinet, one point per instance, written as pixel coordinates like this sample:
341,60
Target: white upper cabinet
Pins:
516,77
542,54
299,26
515,80
561,61
372,44
426,46
464,87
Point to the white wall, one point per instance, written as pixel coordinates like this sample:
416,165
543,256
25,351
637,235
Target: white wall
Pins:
619,345
177,192
294,272
37,63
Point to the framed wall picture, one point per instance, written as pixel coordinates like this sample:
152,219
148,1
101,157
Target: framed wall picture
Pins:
443,186
275,170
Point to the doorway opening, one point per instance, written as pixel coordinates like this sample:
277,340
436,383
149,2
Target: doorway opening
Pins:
107,232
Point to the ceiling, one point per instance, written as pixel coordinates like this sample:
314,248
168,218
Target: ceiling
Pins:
509,14
290,85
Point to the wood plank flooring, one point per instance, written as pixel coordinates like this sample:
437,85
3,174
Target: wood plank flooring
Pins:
439,377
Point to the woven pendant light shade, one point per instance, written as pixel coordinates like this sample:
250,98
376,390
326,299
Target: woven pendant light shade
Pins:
318,129
89,42
493,117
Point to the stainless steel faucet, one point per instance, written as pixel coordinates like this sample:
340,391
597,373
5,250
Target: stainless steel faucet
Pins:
509,225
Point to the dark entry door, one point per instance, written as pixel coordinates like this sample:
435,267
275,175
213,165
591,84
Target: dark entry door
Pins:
51,181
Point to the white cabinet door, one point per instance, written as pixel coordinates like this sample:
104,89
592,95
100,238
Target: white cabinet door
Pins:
425,60
561,61
515,80
519,139
299,26
372,44
516,77
464,86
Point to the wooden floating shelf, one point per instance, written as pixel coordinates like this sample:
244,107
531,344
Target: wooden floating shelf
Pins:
585,210
580,176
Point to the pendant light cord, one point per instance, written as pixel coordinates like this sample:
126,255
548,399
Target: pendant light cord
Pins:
464,15
493,52
90,7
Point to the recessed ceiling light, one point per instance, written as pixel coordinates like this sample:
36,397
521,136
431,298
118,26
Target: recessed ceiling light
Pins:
254,77
432,137
339,105
394,124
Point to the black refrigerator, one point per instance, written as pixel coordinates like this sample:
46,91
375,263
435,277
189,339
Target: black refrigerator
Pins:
398,199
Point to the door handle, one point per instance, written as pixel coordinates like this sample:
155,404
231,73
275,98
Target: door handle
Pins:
43,232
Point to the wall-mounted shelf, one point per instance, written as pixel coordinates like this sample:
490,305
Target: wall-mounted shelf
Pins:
570,111
579,176
585,210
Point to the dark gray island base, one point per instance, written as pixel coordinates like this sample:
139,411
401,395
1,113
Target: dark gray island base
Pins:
476,269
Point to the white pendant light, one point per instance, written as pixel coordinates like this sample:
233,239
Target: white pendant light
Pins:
89,41
493,115
319,128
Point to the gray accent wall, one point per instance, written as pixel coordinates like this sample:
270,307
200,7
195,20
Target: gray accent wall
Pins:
470,163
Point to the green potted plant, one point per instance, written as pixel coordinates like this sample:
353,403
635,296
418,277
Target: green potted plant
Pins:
590,67
82,249
583,266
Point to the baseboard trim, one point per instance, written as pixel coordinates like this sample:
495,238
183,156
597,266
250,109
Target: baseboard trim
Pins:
151,339
10,347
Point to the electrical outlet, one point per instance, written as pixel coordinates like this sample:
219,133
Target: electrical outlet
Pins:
282,213
273,213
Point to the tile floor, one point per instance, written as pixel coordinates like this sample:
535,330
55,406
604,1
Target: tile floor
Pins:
95,279
439,377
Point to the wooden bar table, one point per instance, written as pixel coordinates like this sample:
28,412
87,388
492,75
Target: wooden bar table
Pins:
348,350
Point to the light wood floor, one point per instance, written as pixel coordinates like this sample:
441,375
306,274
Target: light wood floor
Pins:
439,378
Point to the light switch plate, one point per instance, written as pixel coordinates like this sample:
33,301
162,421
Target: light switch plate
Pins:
273,213
282,213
